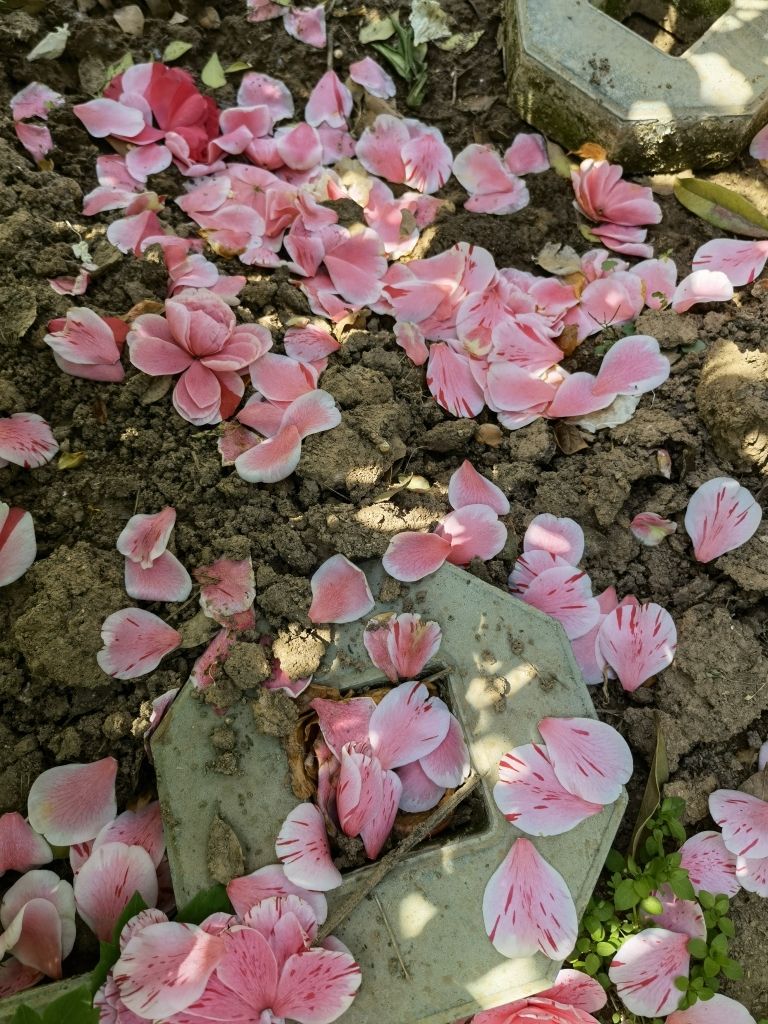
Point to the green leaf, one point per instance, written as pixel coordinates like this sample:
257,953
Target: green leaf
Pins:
725,924
175,50
625,896
213,73
652,905
719,947
643,887
209,901
605,949
592,964
722,207
711,967
707,900
682,983
109,952
732,970
651,797
722,905
26,1016
238,65
376,29
682,888
73,1007
697,948
125,62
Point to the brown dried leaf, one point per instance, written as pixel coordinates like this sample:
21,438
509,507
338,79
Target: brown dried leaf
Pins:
130,19
145,306
591,151
157,388
569,439
569,339
224,853
476,104
490,434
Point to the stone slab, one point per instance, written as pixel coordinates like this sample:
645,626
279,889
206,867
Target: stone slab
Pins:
580,76
509,666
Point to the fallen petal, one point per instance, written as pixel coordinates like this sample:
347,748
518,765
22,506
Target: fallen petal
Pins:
108,880
70,803
340,592
637,641
590,758
645,968
135,642
303,850
721,516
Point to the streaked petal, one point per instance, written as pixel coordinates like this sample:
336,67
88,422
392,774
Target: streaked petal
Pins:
590,758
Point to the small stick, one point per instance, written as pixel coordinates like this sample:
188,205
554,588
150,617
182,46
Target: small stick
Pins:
392,938
380,871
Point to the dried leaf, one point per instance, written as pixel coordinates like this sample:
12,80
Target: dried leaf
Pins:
177,18
145,306
404,483
428,21
130,19
157,389
175,50
476,104
722,207
621,410
70,460
51,46
664,462
125,62
213,73
569,340
591,151
569,439
652,795
559,259
559,162
460,42
376,28
490,434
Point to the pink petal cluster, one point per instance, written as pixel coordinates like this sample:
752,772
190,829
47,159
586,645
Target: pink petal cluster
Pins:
198,338
405,151
721,516
744,822
151,572
635,641
258,965
87,345
494,182
571,1000
619,208
548,790
472,530
37,914
18,546
188,268
26,440
34,101
401,645
374,759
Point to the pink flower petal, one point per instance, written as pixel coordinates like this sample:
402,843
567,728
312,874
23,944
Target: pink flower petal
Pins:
134,925
34,936
21,848
376,828
407,724
329,103
651,529
137,828
373,78
701,286
263,10
632,366
356,266
108,880
318,986
257,89
410,338
531,796
536,1008
47,887
234,441
145,536
402,646
18,546
344,721
165,968
141,161
474,532
227,587
709,864
510,388
740,261
758,148
340,592
645,968
309,344
530,565
299,146
379,148
602,194
16,977
659,279
744,821
135,642
527,155
307,24
527,907
630,241
206,668
451,382
271,460
35,138
565,593
683,916
468,487
590,758
717,1010
303,850
752,874
559,536
426,158
720,517
86,338
412,556
448,764
576,397
71,285
281,378
249,890
419,792
35,100
479,169
26,440
359,790
72,802
312,413
165,580
577,990
103,117
637,641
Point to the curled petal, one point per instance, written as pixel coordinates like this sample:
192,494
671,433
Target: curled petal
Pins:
303,850
344,721
651,529
375,829
145,537
340,592
720,517
70,803
578,990
271,460
16,977
448,764
419,792
752,874
21,848
701,286
227,587
740,261
307,24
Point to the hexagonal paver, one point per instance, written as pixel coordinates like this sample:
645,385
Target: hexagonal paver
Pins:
580,76
508,666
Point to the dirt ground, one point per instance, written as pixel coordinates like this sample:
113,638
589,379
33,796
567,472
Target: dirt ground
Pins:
711,416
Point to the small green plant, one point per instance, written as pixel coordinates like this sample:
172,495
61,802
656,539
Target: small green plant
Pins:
408,60
629,885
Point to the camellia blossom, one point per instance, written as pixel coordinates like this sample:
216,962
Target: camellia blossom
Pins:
135,642
340,592
18,545
70,803
200,339
603,195
637,641
87,345
21,848
651,529
402,645
26,440
645,968
721,516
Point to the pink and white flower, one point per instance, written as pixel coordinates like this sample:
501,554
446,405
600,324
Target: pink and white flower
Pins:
402,645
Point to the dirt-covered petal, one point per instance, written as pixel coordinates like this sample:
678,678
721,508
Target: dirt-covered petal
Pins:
721,516
744,821
719,1009
407,724
70,803
318,986
165,968
21,848
559,536
26,440
135,642
143,827
249,890
527,907
145,536
645,968
710,864
419,792
638,641
590,758
165,580
227,587
340,592
531,796
107,881
448,764
303,849
411,556
344,721
565,593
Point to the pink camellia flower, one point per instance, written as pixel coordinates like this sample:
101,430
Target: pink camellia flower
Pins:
402,645
18,545
199,338
70,803
710,864
26,440
135,642
651,529
721,516
603,195
87,345
340,592
38,915
21,848
527,906
645,968
637,641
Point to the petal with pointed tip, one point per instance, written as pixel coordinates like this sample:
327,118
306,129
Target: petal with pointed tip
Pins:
468,487
376,828
721,516
407,724
70,803
411,556
410,644
303,850
741,261
340,592
359,790
637,641
329,103
590,758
